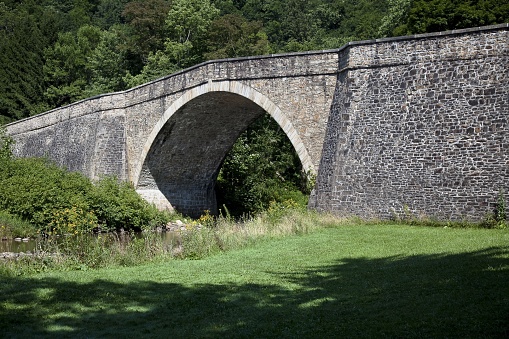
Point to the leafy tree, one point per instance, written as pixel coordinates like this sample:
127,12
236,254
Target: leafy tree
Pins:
146,18
362,19
261,168
267,12
82,11
107,63
233,36
298,21
158,65
188,22
228,6
72,14
396,13
187,25
109,13
66,68
438,15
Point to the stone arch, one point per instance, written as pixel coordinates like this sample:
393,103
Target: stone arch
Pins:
197,194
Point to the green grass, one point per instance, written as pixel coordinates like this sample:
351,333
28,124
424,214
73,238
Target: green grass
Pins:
346,281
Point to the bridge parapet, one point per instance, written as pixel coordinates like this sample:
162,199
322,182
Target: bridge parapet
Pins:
239,69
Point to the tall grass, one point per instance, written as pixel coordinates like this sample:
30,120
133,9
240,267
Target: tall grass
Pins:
83,252
227,234
200,239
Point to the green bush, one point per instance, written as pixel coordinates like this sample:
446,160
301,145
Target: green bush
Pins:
5,145
118,206
12,226
51,199
34,189
72,221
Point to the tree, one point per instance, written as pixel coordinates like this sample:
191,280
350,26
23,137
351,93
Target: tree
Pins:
187,24
66,68
396,13
21,78
158,65
146,18
233,36
269,13
107,63
228,6
298,22
438,15
261,168
109,13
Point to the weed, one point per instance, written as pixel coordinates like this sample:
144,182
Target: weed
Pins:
500,208
12,226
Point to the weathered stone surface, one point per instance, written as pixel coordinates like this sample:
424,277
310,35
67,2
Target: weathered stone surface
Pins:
415,124
419,126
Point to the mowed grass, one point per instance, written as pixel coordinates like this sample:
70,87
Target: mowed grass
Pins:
345,281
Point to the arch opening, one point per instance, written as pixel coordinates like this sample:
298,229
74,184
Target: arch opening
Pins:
186,149
260,170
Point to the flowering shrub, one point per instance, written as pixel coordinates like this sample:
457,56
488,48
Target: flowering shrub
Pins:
41,196
71,221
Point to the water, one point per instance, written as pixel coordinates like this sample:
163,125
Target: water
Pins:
18,246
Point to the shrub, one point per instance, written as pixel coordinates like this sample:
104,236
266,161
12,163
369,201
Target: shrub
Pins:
12,226
50,198
5,145
33,188
74,221
118,206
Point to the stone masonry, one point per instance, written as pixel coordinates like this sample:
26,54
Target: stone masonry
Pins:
419,126
414,124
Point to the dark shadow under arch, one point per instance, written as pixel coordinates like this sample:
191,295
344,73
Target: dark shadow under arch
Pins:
186,155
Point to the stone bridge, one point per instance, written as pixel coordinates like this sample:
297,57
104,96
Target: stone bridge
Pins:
409,125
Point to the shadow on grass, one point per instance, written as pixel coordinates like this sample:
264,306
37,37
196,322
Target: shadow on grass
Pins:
461,295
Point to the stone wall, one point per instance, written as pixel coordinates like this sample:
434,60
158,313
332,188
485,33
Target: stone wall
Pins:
86,137
419,127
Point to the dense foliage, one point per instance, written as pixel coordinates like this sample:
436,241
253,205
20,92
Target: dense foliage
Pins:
54,52
262,163
54,200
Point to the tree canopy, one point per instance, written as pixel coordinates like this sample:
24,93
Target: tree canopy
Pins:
56,52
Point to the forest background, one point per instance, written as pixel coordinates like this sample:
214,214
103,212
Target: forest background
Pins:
55,52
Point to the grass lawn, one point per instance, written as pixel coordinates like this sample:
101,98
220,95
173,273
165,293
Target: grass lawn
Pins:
347,281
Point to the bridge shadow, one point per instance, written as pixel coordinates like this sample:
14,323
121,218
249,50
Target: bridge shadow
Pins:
457,295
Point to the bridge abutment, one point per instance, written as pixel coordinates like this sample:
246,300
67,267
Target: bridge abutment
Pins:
420,134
